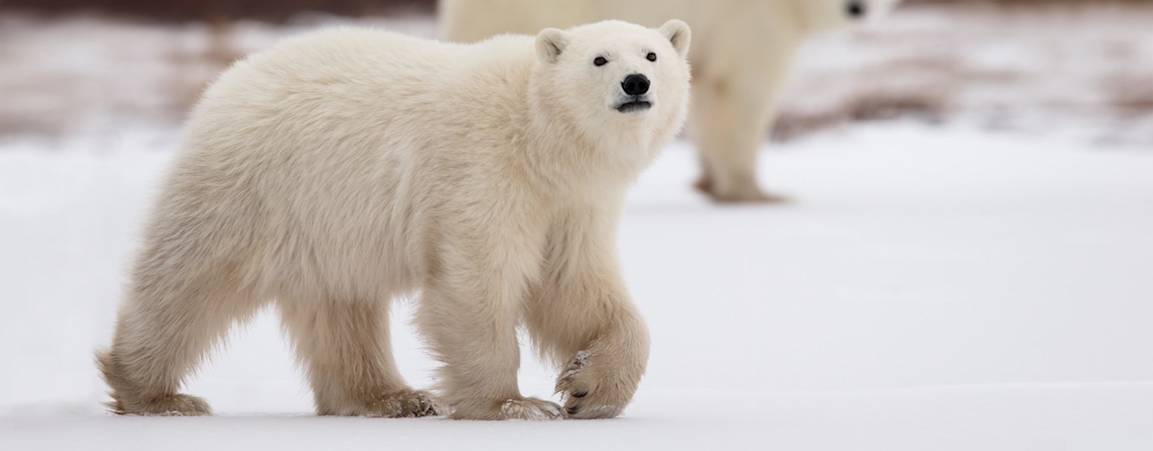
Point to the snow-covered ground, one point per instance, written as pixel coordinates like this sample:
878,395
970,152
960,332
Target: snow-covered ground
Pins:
928,288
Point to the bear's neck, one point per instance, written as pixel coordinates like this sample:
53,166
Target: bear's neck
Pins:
564,158
568,161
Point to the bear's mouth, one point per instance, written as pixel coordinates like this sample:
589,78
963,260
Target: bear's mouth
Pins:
635,104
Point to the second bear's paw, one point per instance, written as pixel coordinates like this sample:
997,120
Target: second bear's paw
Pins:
749,195
590,391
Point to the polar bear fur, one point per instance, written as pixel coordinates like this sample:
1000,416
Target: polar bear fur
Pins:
741,60
346,168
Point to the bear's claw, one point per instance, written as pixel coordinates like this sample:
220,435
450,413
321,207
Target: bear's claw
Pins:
584,395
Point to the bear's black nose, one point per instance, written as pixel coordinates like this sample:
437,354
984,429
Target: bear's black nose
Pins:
856,8
635,84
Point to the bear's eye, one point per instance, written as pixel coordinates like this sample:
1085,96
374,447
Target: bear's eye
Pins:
651,56
600,61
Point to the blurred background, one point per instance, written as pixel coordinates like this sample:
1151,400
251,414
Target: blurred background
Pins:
105,67
966,264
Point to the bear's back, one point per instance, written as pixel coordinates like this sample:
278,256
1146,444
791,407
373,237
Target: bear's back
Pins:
338,120
372,62
361,85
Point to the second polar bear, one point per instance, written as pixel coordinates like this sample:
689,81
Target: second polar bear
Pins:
348,167
741,59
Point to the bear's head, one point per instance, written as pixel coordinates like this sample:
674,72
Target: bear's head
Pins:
824,15
614,83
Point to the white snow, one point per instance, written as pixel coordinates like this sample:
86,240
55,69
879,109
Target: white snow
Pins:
928,288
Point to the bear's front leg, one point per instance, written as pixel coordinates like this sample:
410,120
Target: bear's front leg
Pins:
600,380
580,314
468,313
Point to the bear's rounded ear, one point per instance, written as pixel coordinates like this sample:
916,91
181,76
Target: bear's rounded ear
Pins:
679,34
550,43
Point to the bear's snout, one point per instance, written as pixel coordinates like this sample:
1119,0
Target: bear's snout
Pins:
636,85
856,8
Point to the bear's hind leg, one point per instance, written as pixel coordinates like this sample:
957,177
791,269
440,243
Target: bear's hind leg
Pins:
344,348
164,330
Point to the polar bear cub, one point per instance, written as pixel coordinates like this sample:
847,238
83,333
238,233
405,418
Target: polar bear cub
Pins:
345,168
741,62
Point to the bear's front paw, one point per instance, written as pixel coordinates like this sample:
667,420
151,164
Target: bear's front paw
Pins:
508,409
530,409
592,391
171,405
403,404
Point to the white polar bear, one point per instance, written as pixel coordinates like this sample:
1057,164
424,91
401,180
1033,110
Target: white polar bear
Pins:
741,58
348,167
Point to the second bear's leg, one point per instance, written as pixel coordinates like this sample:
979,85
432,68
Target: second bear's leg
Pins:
730,121
344,347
